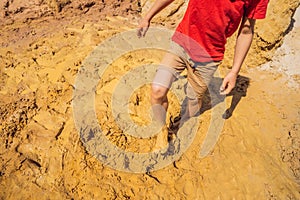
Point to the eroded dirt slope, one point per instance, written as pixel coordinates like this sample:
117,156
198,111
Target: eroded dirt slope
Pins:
43,45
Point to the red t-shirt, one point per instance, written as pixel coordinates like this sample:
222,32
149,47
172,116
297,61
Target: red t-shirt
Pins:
207,23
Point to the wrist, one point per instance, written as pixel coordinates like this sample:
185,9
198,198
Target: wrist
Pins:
234,72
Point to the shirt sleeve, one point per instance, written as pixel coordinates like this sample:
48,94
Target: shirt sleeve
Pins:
256,9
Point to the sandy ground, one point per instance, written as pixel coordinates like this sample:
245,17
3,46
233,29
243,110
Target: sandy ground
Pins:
42,156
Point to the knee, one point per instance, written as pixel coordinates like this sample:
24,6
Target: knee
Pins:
158,92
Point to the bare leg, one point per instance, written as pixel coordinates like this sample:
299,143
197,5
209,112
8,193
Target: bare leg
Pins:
159,103
193,107
165,76
190,109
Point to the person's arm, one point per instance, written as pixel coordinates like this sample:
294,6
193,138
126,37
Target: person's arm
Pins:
242,47
145,22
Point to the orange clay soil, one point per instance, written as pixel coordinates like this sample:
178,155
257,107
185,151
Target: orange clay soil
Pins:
42,47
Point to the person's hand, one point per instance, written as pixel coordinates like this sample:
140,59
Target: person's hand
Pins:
228,83
143,28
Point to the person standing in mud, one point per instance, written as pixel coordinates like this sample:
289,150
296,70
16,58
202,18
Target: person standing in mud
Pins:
198,45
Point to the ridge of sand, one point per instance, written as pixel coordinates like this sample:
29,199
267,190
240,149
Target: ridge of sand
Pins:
42,156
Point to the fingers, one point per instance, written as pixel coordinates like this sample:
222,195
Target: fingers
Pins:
143,28
228,83
223,90
223,87
141,32
226,87
227,90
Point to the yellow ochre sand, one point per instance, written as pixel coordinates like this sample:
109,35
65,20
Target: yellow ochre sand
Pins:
43,46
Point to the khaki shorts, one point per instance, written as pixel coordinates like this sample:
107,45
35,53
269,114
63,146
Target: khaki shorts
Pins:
199,74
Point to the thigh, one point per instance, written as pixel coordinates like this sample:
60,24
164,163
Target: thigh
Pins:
199,78
169,69
206,71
